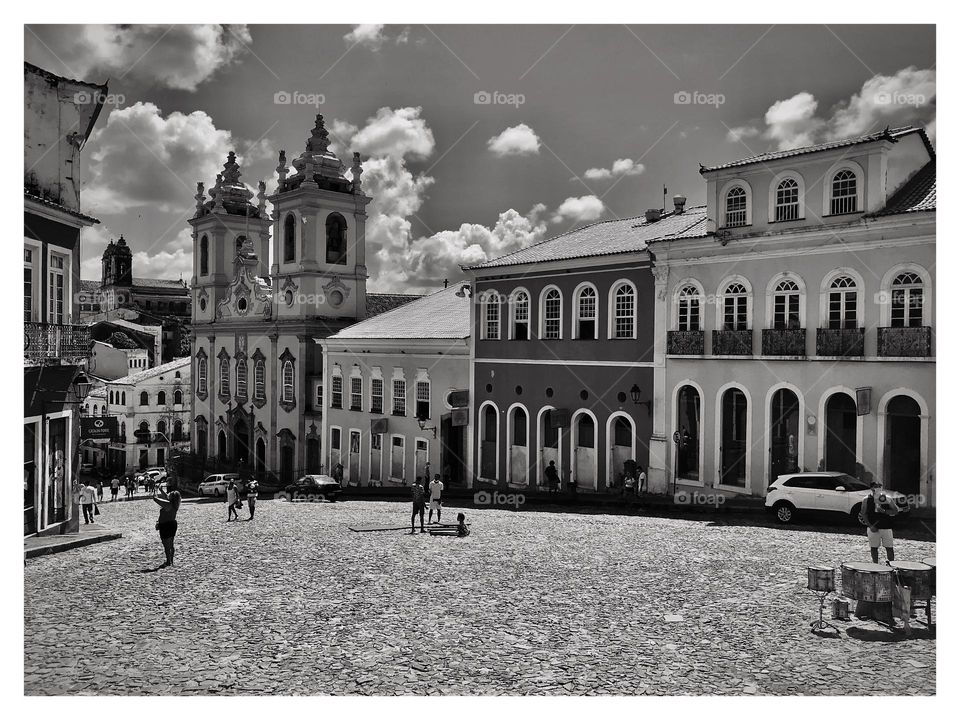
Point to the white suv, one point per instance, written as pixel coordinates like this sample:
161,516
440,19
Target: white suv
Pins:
833,492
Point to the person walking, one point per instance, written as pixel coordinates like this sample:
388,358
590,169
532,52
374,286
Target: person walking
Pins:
169,503
88,496
99,491
880,515
417,495
233,496
553,477
252,497
436,488
114,489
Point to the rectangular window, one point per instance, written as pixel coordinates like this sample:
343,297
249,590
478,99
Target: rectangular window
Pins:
623,317
400,397
423,400
356,393
551,316
259,381
241,379
906,307
376,395
336,392
689,314
27,284
843,309
57,292
335,439
735,313
786,311
492,311
319,403
521,318
224,377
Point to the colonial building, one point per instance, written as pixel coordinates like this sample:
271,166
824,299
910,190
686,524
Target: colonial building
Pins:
795,330
395,393
59,115
152,410
260,299
563,352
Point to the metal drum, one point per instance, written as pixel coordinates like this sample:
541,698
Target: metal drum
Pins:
866,581
917,576
932,562
820,579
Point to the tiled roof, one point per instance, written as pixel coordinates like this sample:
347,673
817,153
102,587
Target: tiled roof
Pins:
98,392
89,285
378,303
57,206
442,315
153,372
889,134
159,283
609,237
918,194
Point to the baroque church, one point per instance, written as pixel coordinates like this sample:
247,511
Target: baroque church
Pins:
262,299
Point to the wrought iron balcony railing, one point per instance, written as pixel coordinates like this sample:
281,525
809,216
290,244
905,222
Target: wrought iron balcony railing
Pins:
685,342
46,341
840,342
733,342
904,342
784,341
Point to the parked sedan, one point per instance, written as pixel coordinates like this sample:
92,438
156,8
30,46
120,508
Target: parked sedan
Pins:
216,485
832,492
313,487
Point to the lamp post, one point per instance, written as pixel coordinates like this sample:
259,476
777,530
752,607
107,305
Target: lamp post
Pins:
422,422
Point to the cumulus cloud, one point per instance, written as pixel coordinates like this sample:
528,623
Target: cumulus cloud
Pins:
579,209
905,98
142,158
517,140
621,167
176,56
370,36
390,132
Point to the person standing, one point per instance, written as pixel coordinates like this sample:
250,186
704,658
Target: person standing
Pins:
436,488
880,517
169,503
417,495
641,479
552,476
88,496
233,495
114,489
99,491
252,497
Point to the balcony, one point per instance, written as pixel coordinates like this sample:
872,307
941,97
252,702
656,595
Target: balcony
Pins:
904,341
733,342
47,341
840,342
685,342
784,341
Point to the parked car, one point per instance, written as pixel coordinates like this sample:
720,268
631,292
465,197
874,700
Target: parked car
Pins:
155,474
826,492
216,485
313,487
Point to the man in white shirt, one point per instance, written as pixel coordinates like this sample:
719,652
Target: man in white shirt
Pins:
88,495
436,487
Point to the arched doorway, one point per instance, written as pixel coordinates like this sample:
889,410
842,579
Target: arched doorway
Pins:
286,464
621,434
549,438
241,442
488,442
519,456
201,438
733,438
902,446
221,446
688,425
784,433
261,465
840,444
585,451
313,456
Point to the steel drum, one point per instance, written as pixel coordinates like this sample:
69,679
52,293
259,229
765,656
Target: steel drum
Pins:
932,562
820,579
866,581
917,576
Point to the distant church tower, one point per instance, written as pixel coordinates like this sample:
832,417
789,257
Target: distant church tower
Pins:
261,302
117,265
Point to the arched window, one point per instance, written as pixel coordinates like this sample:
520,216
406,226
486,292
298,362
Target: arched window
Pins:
843,193
259,381
786,305
585,309
176,374
490,329
290,238
787,204
123,398
551,315
201,374
623,317
736,210
204,255
336,239
241,378
906,301
224,377
111,397
161,398
161,427
177,429
521,315
688,309
144,398
842,303
143,428
735,316
287,381
178,397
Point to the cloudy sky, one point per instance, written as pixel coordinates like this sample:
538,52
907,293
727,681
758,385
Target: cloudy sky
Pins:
479,140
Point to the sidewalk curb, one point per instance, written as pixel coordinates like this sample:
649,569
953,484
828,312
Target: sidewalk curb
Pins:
77,542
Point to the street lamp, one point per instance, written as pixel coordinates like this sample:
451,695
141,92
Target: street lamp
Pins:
422,422
635,394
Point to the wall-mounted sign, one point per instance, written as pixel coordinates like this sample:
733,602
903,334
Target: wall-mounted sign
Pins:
460,417
863,401
378,426
98,428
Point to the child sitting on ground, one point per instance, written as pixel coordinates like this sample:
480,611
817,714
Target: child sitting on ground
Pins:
462,529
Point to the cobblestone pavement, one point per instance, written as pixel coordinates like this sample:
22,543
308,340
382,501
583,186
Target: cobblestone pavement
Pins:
530,603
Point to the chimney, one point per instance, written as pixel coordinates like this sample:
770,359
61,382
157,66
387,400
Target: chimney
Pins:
678,202
652,215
